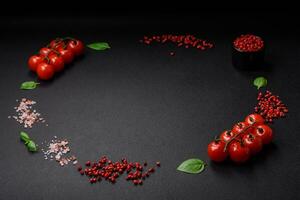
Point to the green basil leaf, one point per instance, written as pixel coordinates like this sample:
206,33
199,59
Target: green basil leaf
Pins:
31,146
260,82
24,137
28,85
192,166
99,46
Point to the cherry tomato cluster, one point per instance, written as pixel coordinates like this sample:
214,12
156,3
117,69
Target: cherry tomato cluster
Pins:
243,141
53,58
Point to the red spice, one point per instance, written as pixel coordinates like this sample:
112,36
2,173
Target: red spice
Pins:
181,40
111,171
158,164
248,43
270,106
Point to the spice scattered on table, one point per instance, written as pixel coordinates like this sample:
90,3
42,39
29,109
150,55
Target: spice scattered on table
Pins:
270,106
59,150
248,43
186,41
105,169
26,115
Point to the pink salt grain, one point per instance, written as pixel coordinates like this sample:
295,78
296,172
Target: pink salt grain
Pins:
26,115
59,150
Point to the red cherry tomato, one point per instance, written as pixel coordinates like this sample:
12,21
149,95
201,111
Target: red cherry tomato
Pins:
254,118
226,135
265,133
57,62
253,142
33,62
238,128
45,51
216,152
76,46
67,55
45,71
238,153
54,43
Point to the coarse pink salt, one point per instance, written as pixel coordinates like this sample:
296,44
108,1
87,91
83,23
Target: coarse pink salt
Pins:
26,115
58,150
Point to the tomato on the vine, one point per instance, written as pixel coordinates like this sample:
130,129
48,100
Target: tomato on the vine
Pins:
54,43
238,152
254,118
45,71
76,46
239,127
57,62
66,54
216,151
33,62
226,135
265,133
45,51
253,142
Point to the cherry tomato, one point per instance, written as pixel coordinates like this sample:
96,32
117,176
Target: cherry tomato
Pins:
254,118
238,153
216,152
33,62
265,133
226,135
76,46
54,43
45,51
67,55
238,128
57,62
45,71
253,142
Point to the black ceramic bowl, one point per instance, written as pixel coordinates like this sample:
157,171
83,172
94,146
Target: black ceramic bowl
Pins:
248,60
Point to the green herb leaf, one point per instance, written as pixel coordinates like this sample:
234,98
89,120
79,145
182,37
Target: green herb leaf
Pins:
260,82
192,166
28,85
24,137
31,146
99,46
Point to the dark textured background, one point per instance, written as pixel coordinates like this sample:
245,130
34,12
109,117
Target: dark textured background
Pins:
138,102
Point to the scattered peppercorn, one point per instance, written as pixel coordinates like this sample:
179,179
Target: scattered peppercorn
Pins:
158,164
111,171
186,41
270,107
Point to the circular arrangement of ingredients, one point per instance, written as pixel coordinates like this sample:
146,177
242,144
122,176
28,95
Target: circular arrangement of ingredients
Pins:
244,140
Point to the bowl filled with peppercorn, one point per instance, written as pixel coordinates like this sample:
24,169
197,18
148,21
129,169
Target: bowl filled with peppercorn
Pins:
248,52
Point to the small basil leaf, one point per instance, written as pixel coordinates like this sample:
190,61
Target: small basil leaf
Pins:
28,85
31,146
99,46
192,166
24,137
260,82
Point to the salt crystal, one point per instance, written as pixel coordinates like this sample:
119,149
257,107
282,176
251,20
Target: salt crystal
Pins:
25,114
59,150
